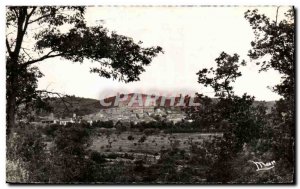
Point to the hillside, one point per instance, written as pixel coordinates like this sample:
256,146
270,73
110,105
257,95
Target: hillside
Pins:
65,107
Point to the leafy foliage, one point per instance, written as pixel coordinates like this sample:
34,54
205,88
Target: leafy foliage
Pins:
226,73
117,56
276,39
27,149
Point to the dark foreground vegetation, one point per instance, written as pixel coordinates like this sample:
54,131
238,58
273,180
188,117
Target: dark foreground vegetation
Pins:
68,158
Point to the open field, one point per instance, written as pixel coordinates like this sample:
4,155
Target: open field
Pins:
138,142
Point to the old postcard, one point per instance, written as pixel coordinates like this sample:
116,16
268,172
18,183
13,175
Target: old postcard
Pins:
150,94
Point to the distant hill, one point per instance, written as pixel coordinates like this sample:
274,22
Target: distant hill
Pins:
65,107
167,102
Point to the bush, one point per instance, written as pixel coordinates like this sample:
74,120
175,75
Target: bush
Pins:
151,131
26,153
103,124
49,130
97,157
112,156
68,155
142,139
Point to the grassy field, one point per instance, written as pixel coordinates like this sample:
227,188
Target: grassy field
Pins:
138,142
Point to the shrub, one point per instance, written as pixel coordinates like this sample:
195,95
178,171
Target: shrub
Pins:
142,139
26,153
50,130
97,157
112,156
103,124
151,131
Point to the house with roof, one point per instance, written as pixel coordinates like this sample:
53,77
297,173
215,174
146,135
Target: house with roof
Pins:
66,121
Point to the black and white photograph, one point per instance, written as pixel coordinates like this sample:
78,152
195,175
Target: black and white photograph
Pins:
153,94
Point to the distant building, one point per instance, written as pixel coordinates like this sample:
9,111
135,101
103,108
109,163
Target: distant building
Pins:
143,110
48,119
66,121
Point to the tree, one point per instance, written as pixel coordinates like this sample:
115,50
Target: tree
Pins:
221,79
63,32
274,48
241,123
69,154
235,110
275,39
224,75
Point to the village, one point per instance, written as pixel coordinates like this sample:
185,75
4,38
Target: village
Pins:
122,113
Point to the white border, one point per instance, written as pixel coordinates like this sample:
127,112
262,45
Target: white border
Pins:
112,2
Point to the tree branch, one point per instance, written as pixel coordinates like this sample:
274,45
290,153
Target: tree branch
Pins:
276,15
27,54
8,48
32,11
27,19
16,12
23,19
39,18
42,58
20,32
61,96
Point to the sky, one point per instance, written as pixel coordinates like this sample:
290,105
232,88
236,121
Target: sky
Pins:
191,37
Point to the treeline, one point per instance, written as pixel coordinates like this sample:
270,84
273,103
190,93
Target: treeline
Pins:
164,126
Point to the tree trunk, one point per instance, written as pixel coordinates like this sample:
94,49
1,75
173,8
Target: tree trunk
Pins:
10,111
11,96
12,70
